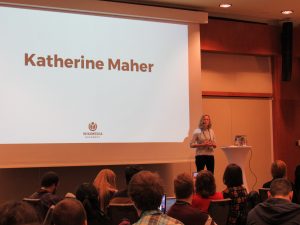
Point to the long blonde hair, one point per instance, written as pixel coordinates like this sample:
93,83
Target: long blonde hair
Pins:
201,126
105,183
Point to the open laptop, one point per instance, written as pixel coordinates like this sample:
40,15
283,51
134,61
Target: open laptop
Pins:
162,206
166,203
169,202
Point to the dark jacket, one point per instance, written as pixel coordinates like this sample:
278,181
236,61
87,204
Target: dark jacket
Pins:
188,215
47,199
275,211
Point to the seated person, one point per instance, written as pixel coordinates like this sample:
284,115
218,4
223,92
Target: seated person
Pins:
278,208
233,179
105,183
17,213
47,193
146,190
122,195
69,212
205,191
87,194
278,170
182,209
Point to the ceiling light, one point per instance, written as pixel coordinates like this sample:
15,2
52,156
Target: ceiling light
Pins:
287,12
225,5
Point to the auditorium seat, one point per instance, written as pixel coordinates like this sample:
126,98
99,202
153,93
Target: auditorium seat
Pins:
120,212
263,193
49,215
36,204
219,210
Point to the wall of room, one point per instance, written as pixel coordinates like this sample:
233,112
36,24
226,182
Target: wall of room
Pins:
264,40
219,37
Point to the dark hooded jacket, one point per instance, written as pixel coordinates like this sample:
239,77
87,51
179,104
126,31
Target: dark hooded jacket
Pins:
275,211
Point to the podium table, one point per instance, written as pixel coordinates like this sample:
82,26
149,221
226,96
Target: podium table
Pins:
238,155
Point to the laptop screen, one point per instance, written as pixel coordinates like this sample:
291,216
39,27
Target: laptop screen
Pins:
162,206
169,202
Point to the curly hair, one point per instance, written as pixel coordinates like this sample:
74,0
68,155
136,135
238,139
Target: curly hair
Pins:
146,190
17,212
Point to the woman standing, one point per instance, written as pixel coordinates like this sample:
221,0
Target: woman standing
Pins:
204,142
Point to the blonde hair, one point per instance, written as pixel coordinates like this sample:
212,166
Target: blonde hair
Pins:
105,183
201,122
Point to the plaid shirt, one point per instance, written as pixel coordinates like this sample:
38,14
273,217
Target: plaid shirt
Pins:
156,217
238,209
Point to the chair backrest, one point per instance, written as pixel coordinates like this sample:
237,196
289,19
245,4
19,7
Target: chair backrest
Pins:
219,210
263,193
120,212
253,198
49,216
36,204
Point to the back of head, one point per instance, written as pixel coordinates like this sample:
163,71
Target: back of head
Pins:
87,194
49,178
69,212
105,177
233,176
146,190
278,169
105,182
130,171
205,184
17,213
183,186
280,187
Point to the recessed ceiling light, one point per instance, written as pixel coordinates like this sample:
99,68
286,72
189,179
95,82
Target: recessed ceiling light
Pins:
287,12
225,5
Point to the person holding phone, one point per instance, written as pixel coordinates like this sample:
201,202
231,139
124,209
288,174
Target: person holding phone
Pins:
204,142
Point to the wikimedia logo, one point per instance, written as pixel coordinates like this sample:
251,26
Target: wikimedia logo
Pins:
92,133
92,126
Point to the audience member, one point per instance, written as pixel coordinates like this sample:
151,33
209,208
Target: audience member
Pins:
87,194
205,190
121,197
145,190
69,212
105,183
233,179
47,193
278,209
17,213
182,209
278,170
296,196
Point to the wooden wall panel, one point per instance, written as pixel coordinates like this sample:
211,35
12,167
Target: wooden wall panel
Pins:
240,37
258,39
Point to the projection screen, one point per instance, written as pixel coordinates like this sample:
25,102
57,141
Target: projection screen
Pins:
84,89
